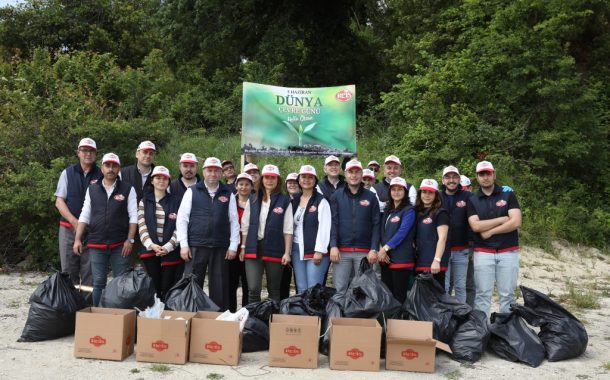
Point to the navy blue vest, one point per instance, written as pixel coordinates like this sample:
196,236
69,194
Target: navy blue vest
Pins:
171,210
132,175
273,245
77,187
177,188
490,207
109,223
209,224
426,238
403,255
458,216
328,189
310,222
354,226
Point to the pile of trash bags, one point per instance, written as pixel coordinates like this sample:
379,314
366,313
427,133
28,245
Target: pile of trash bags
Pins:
53,307
187,295
132,289
256,330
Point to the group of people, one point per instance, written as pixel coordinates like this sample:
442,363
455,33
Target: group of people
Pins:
237,229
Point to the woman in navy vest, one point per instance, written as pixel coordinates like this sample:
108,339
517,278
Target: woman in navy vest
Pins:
157,227
396,254
267,231
432,230
312,222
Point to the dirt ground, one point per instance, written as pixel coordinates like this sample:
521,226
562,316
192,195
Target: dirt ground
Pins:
583,271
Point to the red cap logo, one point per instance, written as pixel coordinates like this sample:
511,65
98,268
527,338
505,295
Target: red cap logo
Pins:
409,354
292,351
427,220
501,203
97,341
344,95
119,197
355,353
313,208
159,345
364,202
223,199
461,204
213,346
395,219
278,210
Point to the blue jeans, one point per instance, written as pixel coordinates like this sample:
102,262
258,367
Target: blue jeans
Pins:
345,269
456,274
99,259
501,269
306,273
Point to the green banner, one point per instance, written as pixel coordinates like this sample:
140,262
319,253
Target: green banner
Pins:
282,121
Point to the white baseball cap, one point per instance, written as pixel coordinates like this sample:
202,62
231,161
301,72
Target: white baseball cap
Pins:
292,177
451,169
464,181
249,167
353,164
392,158
188,158
147,145
373,162
244,176
429,184
485,166
399,182
111,157
308,169
87,142
271,171
212,162
330,159
368,173
161,170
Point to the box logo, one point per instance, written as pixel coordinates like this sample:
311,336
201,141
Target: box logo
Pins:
409,354
128,340
159,345
213,346
292,351
355,353
97,341
343,95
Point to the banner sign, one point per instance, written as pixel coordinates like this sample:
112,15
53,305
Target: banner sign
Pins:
282,121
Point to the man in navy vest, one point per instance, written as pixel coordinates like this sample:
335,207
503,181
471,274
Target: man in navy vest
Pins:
355,230
70,193
392,168
207,229
455,201
189,175
229,175
332,181
495,217
110,212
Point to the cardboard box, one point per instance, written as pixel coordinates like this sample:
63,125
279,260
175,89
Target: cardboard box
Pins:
355,344
164,340
293,341
103,333
214,342
410,347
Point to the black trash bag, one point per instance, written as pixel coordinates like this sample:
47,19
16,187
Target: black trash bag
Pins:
334,309
53,307
134,288
471,338
562,334
187,295
263,309
427,301
311,302
512,340
255,335
368,297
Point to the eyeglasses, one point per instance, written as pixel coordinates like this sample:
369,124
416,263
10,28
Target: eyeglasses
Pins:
86,151
228,168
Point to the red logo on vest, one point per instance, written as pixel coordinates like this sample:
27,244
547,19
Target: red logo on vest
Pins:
461,204
409,354
501,203
292,351
119,197
159,345
313,208
343,95
364,202
213,346
93,181
278,210
395,219
223,199
97,341
173,215
427,220
355,353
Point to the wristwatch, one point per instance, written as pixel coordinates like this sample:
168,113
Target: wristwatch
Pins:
437,259
131,240
243,247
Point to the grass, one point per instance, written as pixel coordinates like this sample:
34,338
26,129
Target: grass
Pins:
161,368
134,370
606,366
582,298
215,376
467,365
453,375
13,305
